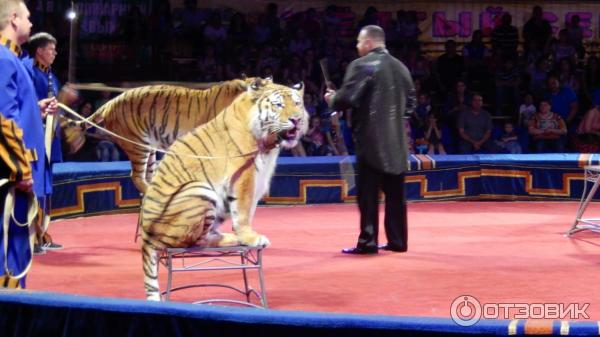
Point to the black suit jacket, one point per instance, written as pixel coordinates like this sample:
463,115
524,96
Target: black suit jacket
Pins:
380,90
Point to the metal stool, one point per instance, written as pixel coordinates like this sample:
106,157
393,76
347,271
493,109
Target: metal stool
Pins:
591,176
221,258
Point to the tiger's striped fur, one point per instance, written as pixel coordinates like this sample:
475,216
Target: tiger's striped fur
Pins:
189,197
157,115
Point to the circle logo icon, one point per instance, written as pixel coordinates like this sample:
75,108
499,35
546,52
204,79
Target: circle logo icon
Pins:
465,310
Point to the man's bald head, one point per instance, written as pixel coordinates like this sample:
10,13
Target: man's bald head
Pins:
369,38
375,33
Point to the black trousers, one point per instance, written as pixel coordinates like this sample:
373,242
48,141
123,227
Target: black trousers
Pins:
369,182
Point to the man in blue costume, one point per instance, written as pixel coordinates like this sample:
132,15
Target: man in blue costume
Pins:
42,48
23,169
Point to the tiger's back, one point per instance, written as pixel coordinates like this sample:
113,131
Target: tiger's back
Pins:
157,115
160,114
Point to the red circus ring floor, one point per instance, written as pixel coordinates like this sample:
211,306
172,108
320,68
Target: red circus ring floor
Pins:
498,252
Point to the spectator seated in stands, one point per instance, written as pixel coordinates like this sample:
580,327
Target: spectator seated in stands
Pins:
587,138
97,144
567,75
563,100
422,111
316,142
475,129
509,140
433,135
546,128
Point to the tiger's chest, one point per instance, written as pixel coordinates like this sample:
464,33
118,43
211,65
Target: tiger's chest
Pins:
265,166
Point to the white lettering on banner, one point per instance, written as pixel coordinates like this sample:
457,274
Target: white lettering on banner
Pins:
466,310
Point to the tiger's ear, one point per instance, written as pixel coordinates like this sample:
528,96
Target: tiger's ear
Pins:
299,87
256,87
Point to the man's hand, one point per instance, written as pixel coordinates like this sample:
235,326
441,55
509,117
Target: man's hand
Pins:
329,93
48,106
25,185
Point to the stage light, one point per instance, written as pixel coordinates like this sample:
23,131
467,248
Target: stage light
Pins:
71,14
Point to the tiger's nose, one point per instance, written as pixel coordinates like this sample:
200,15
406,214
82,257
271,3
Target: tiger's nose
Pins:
295,120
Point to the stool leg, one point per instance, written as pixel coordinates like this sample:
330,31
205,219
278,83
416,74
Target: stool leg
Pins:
169,276
584,203
245,275
137,232
261,279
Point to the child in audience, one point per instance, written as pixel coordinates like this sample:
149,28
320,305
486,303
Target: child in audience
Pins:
509,140
526,110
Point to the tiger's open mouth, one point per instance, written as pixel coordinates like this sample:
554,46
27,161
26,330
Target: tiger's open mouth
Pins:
289,134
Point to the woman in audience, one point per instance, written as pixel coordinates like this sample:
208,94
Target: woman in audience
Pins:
587,139
546,129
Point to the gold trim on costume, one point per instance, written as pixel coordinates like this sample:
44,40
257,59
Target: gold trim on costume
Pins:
13,47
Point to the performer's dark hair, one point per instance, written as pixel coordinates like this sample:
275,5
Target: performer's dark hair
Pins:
39,40
375,33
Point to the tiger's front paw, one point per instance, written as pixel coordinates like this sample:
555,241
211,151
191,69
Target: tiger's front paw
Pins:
253,239
153,297
228,240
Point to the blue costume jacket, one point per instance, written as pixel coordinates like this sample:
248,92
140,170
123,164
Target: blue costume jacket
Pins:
22,157
18,101
41,77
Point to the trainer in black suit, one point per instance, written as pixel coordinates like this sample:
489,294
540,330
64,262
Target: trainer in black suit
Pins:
380,90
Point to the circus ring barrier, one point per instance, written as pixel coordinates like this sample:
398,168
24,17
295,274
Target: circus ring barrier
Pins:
83,189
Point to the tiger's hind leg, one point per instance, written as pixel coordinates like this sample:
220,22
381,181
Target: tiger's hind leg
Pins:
150,264
151,167
139,165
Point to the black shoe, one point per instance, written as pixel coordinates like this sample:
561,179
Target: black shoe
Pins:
392,248
38,250
359,251
52,246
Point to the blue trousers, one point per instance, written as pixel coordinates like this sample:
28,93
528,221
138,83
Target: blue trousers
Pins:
17,253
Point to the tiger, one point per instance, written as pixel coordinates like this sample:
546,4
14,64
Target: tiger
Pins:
156,115
220,169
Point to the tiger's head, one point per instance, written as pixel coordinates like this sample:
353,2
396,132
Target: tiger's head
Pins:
278,115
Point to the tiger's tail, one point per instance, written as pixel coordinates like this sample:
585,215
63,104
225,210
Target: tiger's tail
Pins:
150,264
97,117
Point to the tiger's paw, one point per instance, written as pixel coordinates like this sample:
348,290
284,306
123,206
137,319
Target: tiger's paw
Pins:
153,297
253,239
228,240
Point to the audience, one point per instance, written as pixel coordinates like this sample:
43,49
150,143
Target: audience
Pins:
210,45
